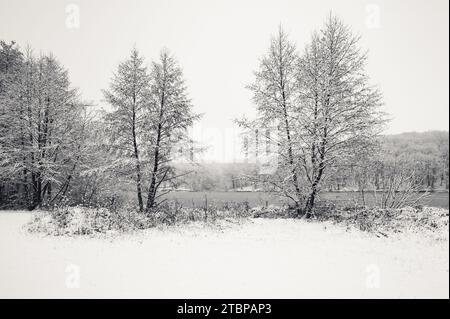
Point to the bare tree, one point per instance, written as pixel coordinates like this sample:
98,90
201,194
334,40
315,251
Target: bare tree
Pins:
400,185
129,94
12,134
275,94
321,106
339,113
45,117
170,116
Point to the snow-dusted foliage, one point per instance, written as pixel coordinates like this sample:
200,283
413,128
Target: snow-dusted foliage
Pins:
428,221
43,124
80,220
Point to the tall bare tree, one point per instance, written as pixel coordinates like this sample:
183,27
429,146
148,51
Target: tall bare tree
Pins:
321,106
170,116
129,94
11,132
41,135
275,94
339,110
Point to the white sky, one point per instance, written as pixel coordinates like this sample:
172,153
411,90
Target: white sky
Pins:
218,44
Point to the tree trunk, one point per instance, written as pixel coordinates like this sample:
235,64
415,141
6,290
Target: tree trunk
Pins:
151,198
298,209
152,189
310,202
138,166
37,189
291,159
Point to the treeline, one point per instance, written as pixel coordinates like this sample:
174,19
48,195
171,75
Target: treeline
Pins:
425,155
217,176
55,149
422,158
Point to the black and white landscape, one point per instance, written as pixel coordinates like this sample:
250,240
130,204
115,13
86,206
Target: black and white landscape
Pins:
224,149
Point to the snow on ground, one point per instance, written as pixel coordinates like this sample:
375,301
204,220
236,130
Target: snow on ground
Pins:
259,258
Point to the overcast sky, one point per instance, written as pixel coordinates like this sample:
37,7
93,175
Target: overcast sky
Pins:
218,44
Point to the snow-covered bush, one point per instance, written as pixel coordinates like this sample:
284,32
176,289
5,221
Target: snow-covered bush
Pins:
272,211
431,220
173,213
81,220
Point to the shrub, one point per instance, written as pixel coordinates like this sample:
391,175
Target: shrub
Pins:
172,213
381,221
273,212
81,220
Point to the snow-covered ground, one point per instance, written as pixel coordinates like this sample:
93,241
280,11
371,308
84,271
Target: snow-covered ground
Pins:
254,259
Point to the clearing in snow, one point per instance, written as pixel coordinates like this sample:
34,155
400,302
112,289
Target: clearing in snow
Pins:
254,258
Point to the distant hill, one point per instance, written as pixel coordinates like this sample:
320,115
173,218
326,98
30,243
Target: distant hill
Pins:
431,142
428,151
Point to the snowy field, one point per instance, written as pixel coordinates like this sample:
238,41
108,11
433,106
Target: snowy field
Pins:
253,259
